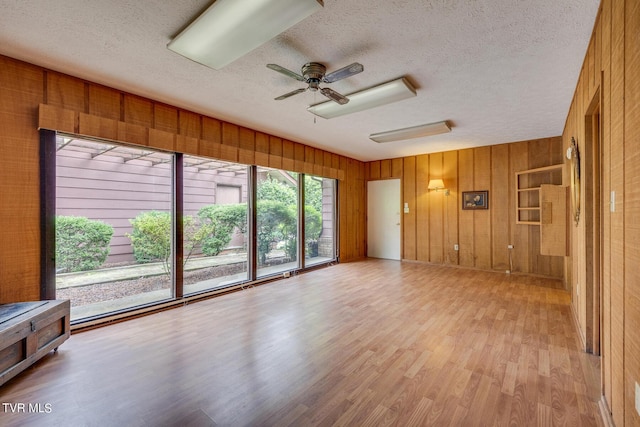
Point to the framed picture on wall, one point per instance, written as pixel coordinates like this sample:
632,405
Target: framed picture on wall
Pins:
475,200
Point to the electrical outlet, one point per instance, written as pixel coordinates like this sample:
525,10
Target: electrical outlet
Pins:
456,247
286,274
638,398
509,246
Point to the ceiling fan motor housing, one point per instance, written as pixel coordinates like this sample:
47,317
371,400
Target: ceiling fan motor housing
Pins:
313,73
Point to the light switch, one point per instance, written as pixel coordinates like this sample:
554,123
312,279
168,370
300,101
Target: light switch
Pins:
406,208
612,202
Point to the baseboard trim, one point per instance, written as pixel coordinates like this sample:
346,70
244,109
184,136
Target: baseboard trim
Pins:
576,323
605,413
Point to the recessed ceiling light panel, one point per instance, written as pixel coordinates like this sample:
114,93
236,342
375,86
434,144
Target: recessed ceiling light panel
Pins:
376,96
411,132
229,29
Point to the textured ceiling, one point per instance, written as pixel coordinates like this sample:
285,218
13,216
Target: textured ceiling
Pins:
497,70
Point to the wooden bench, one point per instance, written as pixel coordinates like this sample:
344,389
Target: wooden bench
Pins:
28,331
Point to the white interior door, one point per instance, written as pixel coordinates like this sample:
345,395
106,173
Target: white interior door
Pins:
383,219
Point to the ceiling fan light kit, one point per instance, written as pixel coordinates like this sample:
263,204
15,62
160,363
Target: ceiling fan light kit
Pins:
229,29
376,96
411,132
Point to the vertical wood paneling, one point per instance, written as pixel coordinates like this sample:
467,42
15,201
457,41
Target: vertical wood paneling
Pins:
500,210
299,156
230,134
374,170
385,169
165,118
450,178
556,156
309,158
422,208
631,209
465,182
482,218
618,146
288,155
519,161
211,129
344,250
326,163
211,142
482,236
605,34
246,138
246,146
138,111
104,102
262,149
396,168
335,161
21,90
409,218
436,211
66,92
275,152
318,165
190,125
539,152
352,209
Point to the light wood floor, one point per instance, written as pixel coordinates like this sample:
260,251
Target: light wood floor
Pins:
367,343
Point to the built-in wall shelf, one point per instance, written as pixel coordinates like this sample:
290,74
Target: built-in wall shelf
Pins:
528,185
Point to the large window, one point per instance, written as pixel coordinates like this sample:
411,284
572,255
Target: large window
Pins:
215,224
113,226
319,219
119,245
277,221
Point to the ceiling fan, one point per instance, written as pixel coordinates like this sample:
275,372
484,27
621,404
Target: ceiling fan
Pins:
313,73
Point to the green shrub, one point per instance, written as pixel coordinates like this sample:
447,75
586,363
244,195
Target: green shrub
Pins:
81,244
276,222
151,233
272,189
151,237
312,229
218,223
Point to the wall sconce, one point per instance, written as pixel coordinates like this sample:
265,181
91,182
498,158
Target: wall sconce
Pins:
437,185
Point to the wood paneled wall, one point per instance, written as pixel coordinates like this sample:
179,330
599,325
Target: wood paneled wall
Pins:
31,96
436,222
610,76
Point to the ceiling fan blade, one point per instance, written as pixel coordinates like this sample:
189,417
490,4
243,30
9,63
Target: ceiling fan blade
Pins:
293,92
334,96
289,73
343,72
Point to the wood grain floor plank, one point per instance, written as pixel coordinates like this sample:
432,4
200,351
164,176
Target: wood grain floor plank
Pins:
366,343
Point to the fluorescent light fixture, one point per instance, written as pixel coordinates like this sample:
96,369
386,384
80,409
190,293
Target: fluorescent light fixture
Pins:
229,29
386,93
412,132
